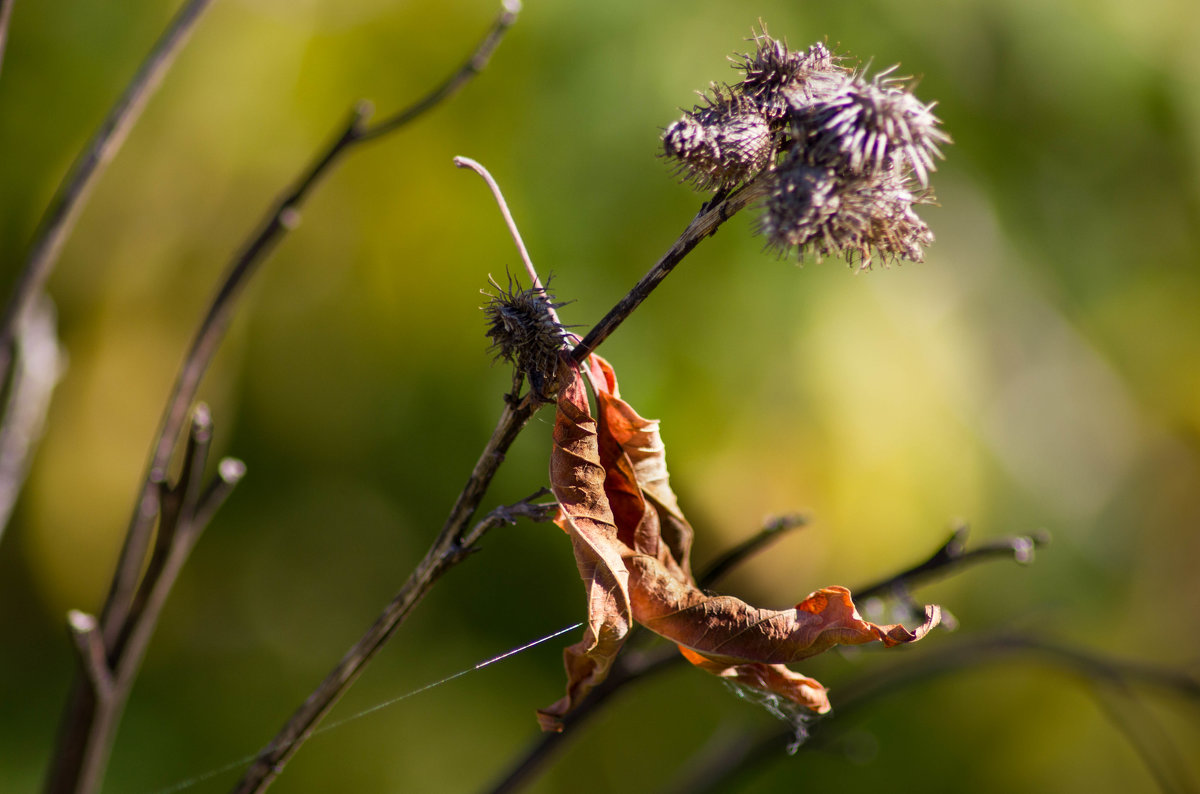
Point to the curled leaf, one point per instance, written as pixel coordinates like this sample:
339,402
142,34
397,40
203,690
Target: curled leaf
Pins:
632,544
577,480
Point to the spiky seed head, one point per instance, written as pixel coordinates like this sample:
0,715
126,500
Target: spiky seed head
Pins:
800,205
819,210
721,143
870,126
775,76
524,333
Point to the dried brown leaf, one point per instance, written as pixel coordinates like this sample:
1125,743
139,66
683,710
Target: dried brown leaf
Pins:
632,544
577,480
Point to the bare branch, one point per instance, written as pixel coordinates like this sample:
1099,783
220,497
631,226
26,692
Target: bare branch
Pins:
952,556
86,638
230,472
474,65
68,200
284,216
108,670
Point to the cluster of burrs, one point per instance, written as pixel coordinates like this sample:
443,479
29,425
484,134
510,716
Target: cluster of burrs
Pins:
844,157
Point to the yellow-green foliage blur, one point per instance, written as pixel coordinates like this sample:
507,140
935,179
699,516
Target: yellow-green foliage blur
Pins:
1040,371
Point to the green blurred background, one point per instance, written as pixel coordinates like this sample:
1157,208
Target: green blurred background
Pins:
1041,370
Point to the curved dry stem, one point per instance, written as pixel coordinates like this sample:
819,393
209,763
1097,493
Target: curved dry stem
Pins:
68,200
514,232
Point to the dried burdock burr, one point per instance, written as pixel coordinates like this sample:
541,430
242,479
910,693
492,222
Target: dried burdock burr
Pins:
868,126
815,209
774,76
524,331
722,143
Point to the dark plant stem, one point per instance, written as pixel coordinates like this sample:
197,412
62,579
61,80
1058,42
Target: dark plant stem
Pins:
706,223
68,200
717,771
135,596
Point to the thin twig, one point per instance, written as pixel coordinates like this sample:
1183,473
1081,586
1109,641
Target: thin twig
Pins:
448,549
284,216
514,232
86,636
474,65
73,191
771,531
952,556
706,223
717,771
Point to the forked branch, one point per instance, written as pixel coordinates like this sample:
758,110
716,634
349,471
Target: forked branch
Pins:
136,595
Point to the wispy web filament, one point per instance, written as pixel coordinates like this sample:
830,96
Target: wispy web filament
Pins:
183,785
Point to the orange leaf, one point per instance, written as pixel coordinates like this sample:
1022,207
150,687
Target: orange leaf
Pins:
632,544
577,479
635,460
728,630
